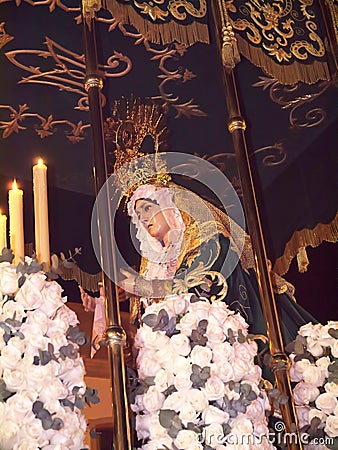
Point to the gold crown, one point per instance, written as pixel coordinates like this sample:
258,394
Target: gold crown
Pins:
131,122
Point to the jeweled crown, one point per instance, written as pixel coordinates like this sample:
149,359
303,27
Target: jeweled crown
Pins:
132,120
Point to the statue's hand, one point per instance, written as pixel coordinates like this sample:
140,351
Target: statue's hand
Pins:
88,301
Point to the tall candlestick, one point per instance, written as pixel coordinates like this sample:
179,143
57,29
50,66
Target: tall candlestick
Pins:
16,233
41,213
3,231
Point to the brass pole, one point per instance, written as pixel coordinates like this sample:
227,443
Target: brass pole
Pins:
280,361
114,335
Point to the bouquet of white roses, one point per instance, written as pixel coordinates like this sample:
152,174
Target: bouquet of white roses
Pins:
314,373
42,389
197,385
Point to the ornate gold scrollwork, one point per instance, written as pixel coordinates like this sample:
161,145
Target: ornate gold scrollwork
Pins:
284,31
175,5
174,8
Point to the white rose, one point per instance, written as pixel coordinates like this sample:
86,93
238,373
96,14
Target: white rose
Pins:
256,410
137,406
187,440
235,322
213,435
254,375
52,298
75,376
245,351
55,389
19,407
155,428
223,351
153,400
215,334
200,310
219,312
8,278
39,318
240,368
27,444
38,377
154,340
182,381
10,357
305,393
310,329
67,315
8,433
317,413
180,364
11,309
14,379
326,402
160,444
29,295
323,363
178,304
163,379
314,347
176,400
198,399
187,413
214,388
58,340
331,388
180,344
313,375
34,336
331,426
147,365
201,355
19,343
334,348
187,323
242,426
223,370
214,415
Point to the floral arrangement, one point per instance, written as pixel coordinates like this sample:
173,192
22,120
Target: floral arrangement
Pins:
42,389
314,373
197,385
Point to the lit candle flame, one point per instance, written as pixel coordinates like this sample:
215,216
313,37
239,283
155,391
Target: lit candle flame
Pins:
14,185
40,162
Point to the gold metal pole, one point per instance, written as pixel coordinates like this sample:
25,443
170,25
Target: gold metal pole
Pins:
115,336
236,126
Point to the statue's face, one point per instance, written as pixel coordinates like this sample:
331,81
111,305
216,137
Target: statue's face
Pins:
152,218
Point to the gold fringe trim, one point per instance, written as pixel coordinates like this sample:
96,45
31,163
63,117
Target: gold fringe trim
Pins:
89,282
286,74
303,238
333,10
164,33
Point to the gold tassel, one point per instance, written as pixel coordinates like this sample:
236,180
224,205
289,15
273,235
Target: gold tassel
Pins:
230,52
90,7
304,238
302,260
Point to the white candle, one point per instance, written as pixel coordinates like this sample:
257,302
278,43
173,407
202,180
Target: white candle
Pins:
3,231
16,233
41,213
